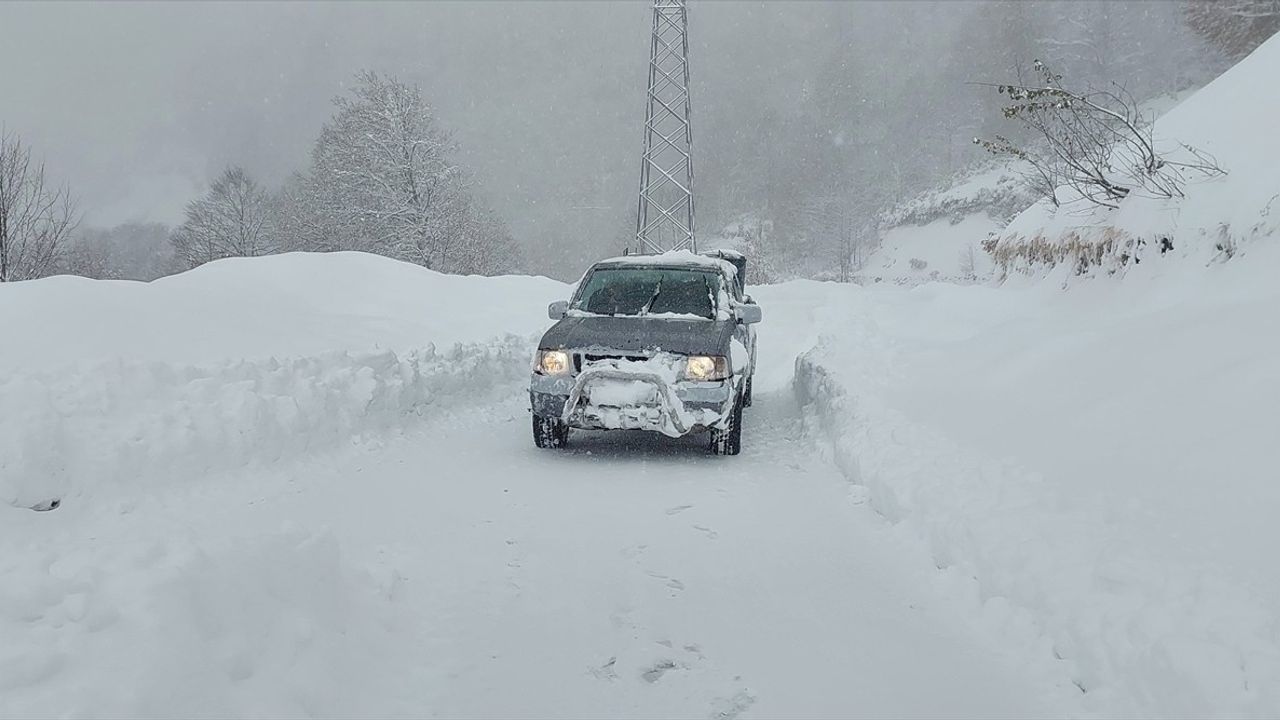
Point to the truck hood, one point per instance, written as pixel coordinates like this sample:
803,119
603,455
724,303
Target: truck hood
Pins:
640,335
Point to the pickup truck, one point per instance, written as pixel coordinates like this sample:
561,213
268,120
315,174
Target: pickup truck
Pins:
649,342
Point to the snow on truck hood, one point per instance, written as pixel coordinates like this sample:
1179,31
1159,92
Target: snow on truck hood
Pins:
641,334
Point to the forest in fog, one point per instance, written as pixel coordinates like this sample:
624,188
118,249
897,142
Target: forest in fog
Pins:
186,133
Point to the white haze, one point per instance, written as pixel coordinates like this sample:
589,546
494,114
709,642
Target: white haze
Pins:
138,106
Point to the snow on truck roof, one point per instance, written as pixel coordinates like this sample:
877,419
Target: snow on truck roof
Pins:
677,258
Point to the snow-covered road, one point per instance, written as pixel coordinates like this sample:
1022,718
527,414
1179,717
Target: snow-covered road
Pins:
633,576
324,516
455,570
371,532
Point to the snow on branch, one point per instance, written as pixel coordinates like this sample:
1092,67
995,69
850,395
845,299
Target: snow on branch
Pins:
1096,143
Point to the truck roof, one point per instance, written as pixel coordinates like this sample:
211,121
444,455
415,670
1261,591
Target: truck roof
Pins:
674,259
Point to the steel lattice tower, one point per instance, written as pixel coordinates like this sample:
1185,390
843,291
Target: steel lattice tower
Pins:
664,217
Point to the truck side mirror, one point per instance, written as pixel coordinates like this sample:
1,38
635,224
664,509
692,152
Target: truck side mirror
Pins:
558,309
749,314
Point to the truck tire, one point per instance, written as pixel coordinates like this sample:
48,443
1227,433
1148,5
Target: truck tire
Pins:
746,393
550,433
728,441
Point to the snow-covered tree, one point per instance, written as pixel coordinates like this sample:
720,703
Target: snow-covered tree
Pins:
382,181
36,220
132,251
233,219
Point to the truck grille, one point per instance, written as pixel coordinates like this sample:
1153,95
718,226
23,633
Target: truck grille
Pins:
580,359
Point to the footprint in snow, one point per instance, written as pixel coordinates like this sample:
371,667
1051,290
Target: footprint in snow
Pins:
711,534
671,582
660,668
678,509
634,552
859,494
606,671
731,707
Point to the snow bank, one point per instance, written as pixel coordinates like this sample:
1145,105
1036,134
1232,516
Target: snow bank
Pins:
131,424
292,305
1096,470
242,362
1231,118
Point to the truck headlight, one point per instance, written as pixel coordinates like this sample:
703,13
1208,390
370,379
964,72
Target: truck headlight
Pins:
552,362
706,367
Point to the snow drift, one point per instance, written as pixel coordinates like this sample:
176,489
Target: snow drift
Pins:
242,362
1094,470
132,424
291,305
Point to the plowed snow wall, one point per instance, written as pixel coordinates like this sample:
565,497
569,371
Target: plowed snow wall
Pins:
130,423
1138,635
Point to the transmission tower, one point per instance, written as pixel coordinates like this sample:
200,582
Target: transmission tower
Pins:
664,217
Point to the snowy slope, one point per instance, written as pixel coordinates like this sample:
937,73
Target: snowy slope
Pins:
942,229
1096,470
1233,119
941,250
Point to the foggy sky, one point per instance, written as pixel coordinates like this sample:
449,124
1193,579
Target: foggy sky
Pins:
138,105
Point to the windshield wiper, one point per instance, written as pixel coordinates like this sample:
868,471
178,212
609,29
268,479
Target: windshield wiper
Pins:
657,290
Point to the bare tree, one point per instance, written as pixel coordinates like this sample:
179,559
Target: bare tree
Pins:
1086,135
232,220
132,251
35,219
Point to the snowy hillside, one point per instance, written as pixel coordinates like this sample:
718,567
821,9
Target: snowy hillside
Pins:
1094,470
942,250
939,235
1232,119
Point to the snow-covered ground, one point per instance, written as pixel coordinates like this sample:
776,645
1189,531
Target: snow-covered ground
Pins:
1096,470
956,501
942,250
348,522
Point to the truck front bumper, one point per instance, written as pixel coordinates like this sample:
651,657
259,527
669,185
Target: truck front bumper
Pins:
673,409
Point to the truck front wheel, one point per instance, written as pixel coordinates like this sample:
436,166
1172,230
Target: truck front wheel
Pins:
550,432
728,440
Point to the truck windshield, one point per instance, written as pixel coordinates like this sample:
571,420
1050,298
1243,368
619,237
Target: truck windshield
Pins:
650,291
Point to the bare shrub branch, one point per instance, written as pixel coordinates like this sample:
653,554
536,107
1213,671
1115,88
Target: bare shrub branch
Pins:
1085,135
